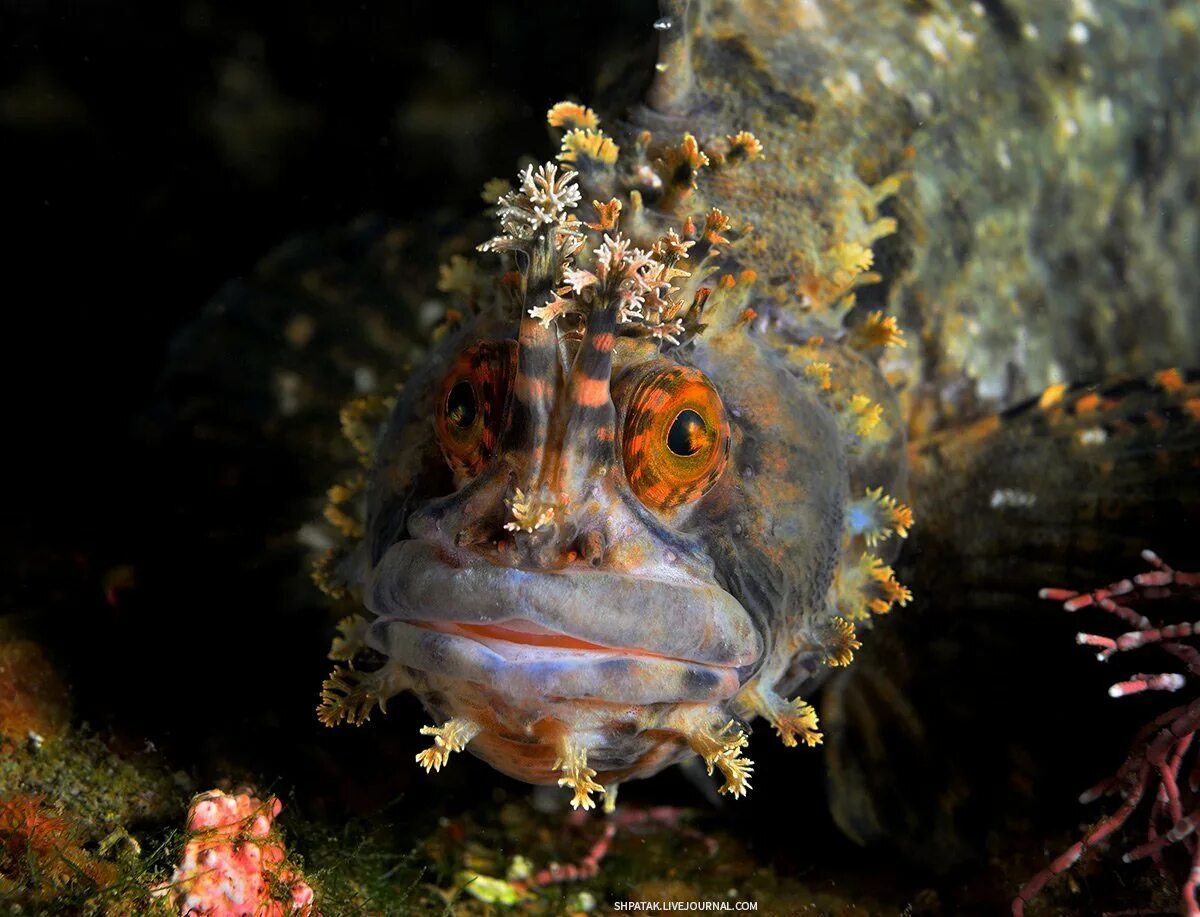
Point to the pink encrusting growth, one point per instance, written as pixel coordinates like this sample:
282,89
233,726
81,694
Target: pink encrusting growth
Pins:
1157,765
233,862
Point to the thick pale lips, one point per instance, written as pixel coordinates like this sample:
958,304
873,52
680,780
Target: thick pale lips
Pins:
590,611
592,634
519,634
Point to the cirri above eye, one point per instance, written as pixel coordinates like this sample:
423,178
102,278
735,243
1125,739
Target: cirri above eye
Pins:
473,404
675,436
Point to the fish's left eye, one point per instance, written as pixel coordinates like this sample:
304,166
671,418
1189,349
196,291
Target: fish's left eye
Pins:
674,435
473,404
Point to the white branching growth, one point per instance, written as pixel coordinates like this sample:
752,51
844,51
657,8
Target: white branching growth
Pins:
614,274
637,282
541,202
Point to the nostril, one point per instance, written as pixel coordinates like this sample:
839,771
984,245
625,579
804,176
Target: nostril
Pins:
592,548
476,533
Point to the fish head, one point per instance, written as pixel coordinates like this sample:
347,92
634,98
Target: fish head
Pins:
578,534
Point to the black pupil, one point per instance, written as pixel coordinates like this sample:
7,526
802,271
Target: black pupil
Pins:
687,433
460,405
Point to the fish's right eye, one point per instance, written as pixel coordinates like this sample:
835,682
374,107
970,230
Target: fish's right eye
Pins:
473,405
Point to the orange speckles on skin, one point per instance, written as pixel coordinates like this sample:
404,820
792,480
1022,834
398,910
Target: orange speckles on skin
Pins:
604,342
1087,403
1170,380
635,443
657,399
591,392
1052,395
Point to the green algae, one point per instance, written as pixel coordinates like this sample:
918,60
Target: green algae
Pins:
99,831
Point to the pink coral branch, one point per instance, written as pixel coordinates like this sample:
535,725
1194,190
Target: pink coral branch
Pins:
1158,752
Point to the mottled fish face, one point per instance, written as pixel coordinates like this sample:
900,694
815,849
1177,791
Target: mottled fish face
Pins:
574,535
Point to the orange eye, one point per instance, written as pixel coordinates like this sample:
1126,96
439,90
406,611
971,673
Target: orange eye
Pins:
473,405
675,438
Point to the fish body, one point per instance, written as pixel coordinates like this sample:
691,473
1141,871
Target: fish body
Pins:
650,480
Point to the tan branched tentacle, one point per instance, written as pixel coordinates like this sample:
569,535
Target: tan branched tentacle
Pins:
721,748
841,644
572,762
793,720
451,736
351,638
349,696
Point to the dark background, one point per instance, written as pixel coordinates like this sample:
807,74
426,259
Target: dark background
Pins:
154,152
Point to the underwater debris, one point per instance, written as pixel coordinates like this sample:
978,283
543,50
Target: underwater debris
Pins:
521,879
1155,766
234,863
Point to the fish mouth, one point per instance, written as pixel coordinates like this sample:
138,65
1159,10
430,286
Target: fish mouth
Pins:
586,633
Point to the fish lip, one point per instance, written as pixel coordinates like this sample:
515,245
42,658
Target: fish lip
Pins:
520,673
497,637
696,622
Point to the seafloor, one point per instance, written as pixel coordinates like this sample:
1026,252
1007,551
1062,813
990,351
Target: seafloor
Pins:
159,636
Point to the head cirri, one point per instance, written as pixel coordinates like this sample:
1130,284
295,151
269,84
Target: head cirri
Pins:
629,502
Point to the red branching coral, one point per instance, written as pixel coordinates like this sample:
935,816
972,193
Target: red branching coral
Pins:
38,843
1155,766
233,862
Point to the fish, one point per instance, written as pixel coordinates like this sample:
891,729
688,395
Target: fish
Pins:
652,479
593,562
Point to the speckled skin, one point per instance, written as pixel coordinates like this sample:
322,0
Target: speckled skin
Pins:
940,144
1048,227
